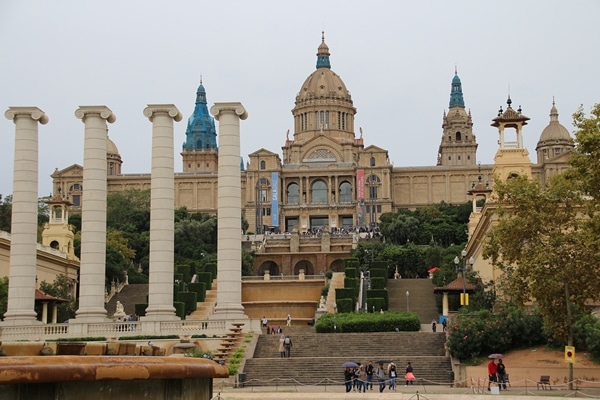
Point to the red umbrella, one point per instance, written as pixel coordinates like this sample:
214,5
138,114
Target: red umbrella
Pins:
496,355
432,270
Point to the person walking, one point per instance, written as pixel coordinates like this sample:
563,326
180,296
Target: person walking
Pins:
369,371
492,372
380,372
409,376
361,379
501,373
392,373
433,325
348,377
288,320
281,346
287,345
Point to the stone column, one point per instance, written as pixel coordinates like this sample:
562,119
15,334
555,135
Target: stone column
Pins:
162,205
45,312
445,307
229,247
93,214
23,247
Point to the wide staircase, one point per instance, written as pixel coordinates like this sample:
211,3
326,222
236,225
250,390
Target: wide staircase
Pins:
420,299
205,308
318,358
129,296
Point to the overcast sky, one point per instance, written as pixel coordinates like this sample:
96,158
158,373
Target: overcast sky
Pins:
397,58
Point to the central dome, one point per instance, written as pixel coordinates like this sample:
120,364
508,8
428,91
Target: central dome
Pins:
323,83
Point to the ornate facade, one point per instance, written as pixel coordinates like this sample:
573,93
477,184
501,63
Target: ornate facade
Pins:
324,177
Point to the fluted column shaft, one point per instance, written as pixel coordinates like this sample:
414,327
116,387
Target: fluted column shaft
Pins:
229,247
93,213
162,205
23,248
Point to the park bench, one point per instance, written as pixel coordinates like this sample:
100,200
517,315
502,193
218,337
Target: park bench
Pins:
544,382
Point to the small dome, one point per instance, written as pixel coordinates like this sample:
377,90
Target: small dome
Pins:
111,147
554,131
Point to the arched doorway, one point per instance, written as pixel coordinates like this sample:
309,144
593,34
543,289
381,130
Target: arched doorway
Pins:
337,265
270,266
307,266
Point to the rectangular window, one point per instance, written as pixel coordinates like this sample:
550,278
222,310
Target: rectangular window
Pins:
76,199
266,211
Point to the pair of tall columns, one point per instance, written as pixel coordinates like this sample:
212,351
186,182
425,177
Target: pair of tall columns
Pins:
23,258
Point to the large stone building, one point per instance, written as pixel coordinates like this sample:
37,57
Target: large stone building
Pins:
325,177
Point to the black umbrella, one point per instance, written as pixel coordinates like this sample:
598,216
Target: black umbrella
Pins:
383,361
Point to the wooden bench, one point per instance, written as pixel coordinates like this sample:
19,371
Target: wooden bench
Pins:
544,382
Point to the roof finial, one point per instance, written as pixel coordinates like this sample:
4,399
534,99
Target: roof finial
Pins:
201,79
553,101
323,35
455,70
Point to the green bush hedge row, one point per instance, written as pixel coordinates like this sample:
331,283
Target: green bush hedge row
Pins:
369,322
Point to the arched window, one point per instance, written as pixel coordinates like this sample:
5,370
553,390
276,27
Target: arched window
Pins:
372,161
263,164
318,192
345,192
293,194
458,136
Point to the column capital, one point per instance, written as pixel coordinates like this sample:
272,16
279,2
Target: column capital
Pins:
230,107
102,111
170,109
32,112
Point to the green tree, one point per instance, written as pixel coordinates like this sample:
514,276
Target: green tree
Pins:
545,250
119,256
5,213
63,288
3,296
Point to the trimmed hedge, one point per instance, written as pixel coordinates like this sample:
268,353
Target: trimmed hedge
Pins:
199,289
179,309
379,293
185,271
345,305
212,268
378,283
377,302
207,278
190,299
373,322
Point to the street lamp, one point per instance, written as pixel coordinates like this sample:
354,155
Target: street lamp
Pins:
334,316
407,297
464,297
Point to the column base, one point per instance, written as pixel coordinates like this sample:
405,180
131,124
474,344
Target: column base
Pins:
160,313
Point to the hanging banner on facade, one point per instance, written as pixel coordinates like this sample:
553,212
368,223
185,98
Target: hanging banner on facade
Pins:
360,184
275,199
360,196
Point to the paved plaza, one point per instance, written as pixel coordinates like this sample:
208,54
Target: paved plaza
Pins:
402,392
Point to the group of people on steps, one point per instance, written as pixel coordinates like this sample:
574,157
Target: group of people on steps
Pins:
361,377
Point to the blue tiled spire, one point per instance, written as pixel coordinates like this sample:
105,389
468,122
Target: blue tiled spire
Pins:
200,132
456,94
323,54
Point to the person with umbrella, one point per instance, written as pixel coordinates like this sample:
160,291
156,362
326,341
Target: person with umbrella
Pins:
501,372
349,374
492,369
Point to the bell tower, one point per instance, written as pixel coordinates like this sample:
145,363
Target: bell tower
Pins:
458,146
57,232
512,158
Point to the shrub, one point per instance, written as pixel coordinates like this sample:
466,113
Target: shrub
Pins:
190,301
473,334
200,290
365,322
